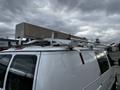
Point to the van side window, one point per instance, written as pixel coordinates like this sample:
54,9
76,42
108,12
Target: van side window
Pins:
4,61
21,73
102,61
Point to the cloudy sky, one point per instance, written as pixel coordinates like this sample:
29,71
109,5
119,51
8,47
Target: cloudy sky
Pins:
85,18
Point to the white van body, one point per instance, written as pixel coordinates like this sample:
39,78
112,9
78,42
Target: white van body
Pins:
54,68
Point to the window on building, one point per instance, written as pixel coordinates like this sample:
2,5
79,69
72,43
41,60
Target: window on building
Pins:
4,61
21,73
102,61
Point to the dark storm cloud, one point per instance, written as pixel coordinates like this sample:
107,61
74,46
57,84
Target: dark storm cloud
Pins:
92,5
6,32
61,4
87,18
10,10
54,23
14,6
82,5
13,12
108,6
113,7
99,18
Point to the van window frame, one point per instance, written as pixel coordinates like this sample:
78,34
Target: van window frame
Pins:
110,61
37,54
105,54
6,68
81,57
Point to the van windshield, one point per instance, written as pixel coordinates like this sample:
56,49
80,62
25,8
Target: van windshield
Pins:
4,61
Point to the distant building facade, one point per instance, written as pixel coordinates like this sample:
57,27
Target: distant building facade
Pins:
7,43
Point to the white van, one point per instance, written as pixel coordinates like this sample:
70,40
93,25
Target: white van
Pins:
55,68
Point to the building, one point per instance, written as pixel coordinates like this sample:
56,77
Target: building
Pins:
7,43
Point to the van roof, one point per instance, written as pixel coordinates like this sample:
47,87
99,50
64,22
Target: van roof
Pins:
39,48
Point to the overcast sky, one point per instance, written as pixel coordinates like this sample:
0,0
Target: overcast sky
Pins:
84,18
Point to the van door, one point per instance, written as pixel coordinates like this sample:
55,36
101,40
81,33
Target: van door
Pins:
106,71
21,73
93,71
4,61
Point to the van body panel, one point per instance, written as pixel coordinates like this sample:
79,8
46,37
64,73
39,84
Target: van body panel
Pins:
65,71
104,82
